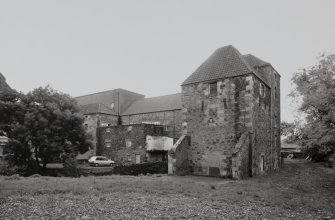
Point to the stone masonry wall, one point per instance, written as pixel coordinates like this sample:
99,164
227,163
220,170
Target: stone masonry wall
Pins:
171,119
215,123
261,135
91,123
122,143
276,118
273,79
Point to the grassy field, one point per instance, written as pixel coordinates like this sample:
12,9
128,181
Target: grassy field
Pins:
297,191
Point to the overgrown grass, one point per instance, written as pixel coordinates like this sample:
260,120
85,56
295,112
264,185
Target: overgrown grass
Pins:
295,187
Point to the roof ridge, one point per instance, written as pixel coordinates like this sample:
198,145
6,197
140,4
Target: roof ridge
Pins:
256,58
159,96
243,60
95,93
111,90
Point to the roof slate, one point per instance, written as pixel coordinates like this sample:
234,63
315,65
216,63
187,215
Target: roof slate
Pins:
105,97
96,108
155,104
224,62
254,61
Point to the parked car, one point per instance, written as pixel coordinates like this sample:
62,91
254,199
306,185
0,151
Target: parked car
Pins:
100,161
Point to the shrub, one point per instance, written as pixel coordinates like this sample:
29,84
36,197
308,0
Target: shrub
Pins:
144,168
70,166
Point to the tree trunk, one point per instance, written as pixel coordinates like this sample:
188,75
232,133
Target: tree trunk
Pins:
36,157
45,162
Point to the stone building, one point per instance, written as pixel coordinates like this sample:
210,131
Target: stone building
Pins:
225,122
136,143
122,107
231,111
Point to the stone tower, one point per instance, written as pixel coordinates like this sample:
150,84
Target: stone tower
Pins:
231,111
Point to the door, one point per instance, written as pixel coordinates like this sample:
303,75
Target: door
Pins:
138,158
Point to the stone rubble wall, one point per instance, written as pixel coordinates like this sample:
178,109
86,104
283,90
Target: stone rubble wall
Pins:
171,119
178,161
91,123
240,160
123,142
215,123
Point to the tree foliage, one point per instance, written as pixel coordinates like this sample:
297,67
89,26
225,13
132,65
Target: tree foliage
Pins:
291,132
315,88
41,126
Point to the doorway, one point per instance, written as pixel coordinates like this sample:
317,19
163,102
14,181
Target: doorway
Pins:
137,158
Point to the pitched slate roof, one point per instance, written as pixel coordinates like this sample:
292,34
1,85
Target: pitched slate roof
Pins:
105,97
224,62
155,104
96,108
254,61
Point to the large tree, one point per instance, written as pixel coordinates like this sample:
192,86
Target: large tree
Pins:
41,126
315,90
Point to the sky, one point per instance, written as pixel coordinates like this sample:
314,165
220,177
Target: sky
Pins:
149,46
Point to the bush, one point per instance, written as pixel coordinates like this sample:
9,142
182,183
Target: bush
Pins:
144,168
70,166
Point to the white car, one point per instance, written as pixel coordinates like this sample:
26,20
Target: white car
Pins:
100,161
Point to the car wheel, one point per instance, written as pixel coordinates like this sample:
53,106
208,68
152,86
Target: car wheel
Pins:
96,164
111,164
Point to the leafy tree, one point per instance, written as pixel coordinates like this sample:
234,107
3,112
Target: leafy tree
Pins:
315,89
45,125
291,132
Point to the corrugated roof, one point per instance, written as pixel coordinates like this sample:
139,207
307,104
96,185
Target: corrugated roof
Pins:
254,61
155,104
224,62
96,108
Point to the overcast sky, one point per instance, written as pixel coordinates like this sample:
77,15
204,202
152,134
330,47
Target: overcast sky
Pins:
150,47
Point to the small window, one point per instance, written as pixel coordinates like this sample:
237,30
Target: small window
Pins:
213,89
87,116
108,144
128,143
225,103
262,90
202,106
86,126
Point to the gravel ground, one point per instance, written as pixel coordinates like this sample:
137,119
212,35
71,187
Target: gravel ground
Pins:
135,206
